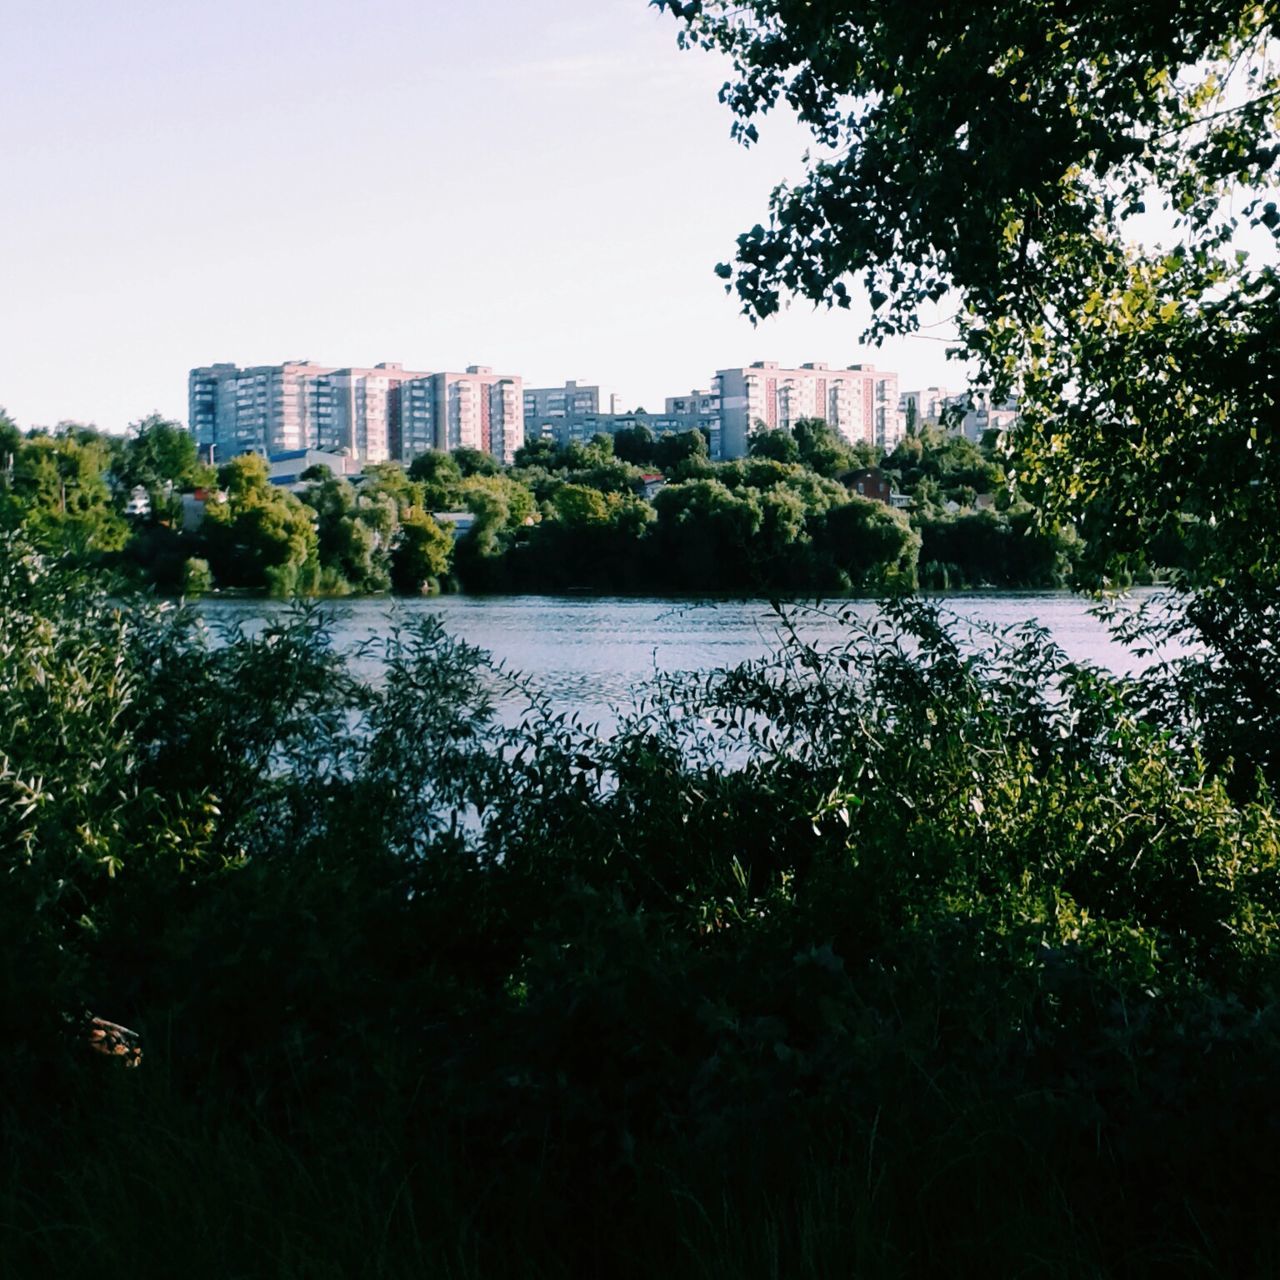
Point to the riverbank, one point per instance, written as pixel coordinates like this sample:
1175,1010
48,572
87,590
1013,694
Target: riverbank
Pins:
758,978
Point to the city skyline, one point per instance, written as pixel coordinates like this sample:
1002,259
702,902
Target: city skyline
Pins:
385,412
532,186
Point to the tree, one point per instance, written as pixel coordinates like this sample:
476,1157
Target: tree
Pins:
10,439
160,455
635,445
705,534
441,478
543,451
781,446
677,450
475,462
421,555
353,549
56,485
995,156
872,545
821,449
262,537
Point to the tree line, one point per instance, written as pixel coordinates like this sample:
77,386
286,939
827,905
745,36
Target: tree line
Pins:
624,513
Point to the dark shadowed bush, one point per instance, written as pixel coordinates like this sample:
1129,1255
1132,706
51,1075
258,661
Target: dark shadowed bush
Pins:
801,957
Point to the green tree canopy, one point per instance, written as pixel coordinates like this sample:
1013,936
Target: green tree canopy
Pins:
779,445
262,536
635,445
475,462
441,477
56,485
996,156
421,555
159,454
676,451
821,447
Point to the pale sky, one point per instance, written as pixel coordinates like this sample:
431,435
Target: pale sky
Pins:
537,185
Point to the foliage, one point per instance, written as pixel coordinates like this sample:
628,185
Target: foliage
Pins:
197,578
986,548
475,462
56,487
790,935
635,445
441,477
1136,365
420,558
775,444
261,537
160,455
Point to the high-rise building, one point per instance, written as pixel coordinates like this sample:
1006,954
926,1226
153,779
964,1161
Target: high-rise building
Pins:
365,418
882,417
479,409
776,397
269,408
928,404
372,413
569,401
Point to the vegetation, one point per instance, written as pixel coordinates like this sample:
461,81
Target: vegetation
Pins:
804,955
923,955
635,513
1001,159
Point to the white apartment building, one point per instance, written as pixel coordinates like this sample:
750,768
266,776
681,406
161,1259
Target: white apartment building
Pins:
268,407
373,414
928,404
697,404
853,401
296,405
365,411
882,415
967,413
982,414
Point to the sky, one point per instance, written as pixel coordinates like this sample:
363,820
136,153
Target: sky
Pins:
540,186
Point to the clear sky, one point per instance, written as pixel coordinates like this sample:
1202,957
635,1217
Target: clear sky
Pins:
537,185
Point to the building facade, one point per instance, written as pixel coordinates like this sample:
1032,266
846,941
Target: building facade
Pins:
387,412
569,401
374,414
479,409
926,406
969,413
860,402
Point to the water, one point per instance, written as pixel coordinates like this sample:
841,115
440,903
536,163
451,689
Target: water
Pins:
591,654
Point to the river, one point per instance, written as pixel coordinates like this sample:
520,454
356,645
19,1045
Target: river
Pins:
590,654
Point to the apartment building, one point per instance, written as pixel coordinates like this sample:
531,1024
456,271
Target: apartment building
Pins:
883,420
267,407
297,405
479,409
572,400
374,414
979,413
928,404
388,412
968,413
766,392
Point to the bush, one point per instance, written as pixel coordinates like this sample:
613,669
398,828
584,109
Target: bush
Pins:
800,956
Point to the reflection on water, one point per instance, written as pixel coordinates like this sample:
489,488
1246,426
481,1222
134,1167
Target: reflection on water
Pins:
591,654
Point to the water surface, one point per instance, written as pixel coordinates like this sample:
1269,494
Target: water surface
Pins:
591,653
